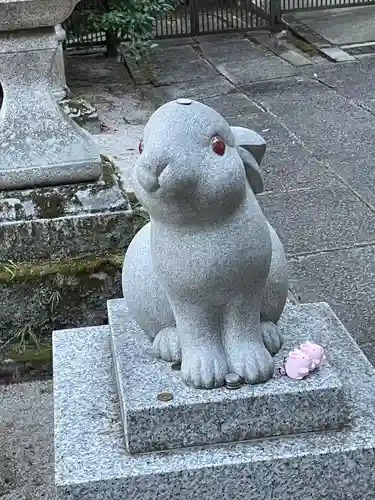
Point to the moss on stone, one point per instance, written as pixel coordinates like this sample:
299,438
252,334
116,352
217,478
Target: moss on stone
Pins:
110,173
49,205
30,353
305,46
29,271
33,363
64,294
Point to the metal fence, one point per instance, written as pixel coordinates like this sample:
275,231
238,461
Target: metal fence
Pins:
190,18
200,17
76,26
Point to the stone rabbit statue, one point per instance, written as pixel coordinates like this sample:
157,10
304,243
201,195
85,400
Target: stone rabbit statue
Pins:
206,278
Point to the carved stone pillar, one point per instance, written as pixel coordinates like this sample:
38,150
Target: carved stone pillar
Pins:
39,145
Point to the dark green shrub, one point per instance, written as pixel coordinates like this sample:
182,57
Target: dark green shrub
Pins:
129,23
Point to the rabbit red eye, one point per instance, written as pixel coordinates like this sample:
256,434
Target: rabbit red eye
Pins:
140,146
218,145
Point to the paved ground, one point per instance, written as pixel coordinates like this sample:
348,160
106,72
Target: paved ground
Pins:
26,442
319,173
341,26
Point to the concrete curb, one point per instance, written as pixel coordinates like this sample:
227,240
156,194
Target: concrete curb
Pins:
330,51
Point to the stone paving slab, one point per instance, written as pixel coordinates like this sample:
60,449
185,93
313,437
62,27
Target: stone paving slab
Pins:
314,220
336,54
197,90
355,81
118,106
236,107
346,280
287,164
359,175
282,47
26,442
175,64
328,124
341,26
243,62
368,349
93,70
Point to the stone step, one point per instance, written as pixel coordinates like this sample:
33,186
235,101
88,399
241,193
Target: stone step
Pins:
192,418
91,460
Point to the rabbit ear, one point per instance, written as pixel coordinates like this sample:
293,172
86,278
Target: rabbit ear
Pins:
251,141
251,148
253,173
293,355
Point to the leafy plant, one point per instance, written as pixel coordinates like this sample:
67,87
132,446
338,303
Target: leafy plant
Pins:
130,23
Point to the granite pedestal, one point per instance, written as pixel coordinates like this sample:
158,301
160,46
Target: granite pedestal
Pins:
329,454
216,416
40,145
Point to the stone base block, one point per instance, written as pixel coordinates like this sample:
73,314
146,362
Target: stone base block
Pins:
91,460
61,255
69,220
279,407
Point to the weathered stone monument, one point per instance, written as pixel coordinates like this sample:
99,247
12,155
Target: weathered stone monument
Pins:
62,213
185,393
59,86
39,146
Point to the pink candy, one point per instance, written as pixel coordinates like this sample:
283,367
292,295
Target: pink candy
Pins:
315,351
304,360
298,365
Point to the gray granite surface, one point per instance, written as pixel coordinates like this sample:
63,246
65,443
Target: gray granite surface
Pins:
174,65
196,89
280,406
336,54
355,81
26,14
40,145
59,87
55,222
287,164
208,248
26,451
91,458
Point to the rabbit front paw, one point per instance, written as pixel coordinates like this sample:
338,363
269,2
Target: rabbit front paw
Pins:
166,345
251,361
272,337
204,367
